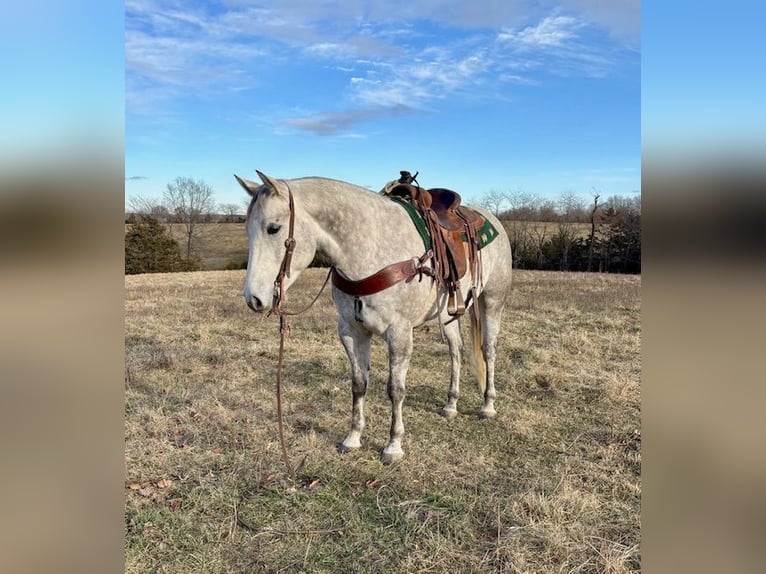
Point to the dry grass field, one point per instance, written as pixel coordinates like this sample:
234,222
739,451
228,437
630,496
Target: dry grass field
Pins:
218,245
552,484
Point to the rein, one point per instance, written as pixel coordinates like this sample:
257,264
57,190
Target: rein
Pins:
284,328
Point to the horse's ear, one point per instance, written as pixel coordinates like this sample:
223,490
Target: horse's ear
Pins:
270,183
249,186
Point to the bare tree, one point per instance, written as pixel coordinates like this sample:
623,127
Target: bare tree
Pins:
546,211
595,218
538,235
519,236
190,201
230,211
570,208
493,200
149,206
523,206
521,212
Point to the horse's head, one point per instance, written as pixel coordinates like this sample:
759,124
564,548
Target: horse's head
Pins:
268,223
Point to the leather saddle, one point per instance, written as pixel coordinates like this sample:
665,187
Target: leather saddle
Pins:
453,230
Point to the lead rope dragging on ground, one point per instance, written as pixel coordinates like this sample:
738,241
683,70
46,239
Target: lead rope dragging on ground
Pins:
284,332
284,329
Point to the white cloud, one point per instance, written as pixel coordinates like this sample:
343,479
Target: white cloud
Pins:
395,52
326,49
552,31
558,45
172,51
432,74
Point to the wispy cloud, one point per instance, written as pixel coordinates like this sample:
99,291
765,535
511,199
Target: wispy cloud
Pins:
136,178
171,52
393,89
553,31
358,46
557,45
392,52
332,123
431,74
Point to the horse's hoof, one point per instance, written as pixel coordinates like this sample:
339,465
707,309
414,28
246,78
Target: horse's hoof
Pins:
487,413
449,414
393,457
349,446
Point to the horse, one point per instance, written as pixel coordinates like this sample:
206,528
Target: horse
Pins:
361,232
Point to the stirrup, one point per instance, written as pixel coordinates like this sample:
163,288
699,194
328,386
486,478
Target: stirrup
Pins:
455,304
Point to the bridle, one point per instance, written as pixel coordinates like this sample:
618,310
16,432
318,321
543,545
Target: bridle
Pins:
280,296
284,268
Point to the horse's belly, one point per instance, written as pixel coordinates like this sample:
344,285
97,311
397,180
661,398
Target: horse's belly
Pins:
414,305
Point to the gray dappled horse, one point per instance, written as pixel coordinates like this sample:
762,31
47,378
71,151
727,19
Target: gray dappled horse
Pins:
360,232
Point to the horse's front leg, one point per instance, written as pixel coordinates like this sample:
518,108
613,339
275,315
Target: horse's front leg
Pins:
357,344
455,343
399,340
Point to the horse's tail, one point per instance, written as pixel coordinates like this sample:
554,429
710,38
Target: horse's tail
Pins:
479,364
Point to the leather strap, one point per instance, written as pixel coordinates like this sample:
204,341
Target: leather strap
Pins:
383,279
284,268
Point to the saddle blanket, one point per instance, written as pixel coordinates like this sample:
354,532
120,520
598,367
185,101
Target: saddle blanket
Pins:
486,233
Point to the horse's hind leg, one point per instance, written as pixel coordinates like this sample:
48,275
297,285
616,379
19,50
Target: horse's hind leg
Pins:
455,343
357,345
399,340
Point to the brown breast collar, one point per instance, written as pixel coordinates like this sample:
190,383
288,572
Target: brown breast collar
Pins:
381,280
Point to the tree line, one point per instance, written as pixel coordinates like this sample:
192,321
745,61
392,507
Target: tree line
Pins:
571,233
186,202
565,234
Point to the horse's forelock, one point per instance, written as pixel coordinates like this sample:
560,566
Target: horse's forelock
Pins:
259,194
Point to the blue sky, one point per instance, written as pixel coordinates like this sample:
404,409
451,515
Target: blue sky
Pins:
704,82
536,96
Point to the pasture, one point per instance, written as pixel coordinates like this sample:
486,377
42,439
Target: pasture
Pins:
552,484
219,244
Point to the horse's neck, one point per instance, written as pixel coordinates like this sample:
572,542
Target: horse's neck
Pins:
355,229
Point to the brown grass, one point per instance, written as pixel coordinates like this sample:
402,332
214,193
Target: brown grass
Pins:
218,244
552,484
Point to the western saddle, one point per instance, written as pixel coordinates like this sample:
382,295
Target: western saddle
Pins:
453,231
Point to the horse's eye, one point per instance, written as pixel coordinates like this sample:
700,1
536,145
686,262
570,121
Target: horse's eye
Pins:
273,228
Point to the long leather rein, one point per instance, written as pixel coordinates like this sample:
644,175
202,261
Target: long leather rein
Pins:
277,306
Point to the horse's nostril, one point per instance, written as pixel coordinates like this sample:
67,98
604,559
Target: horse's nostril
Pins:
255,304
